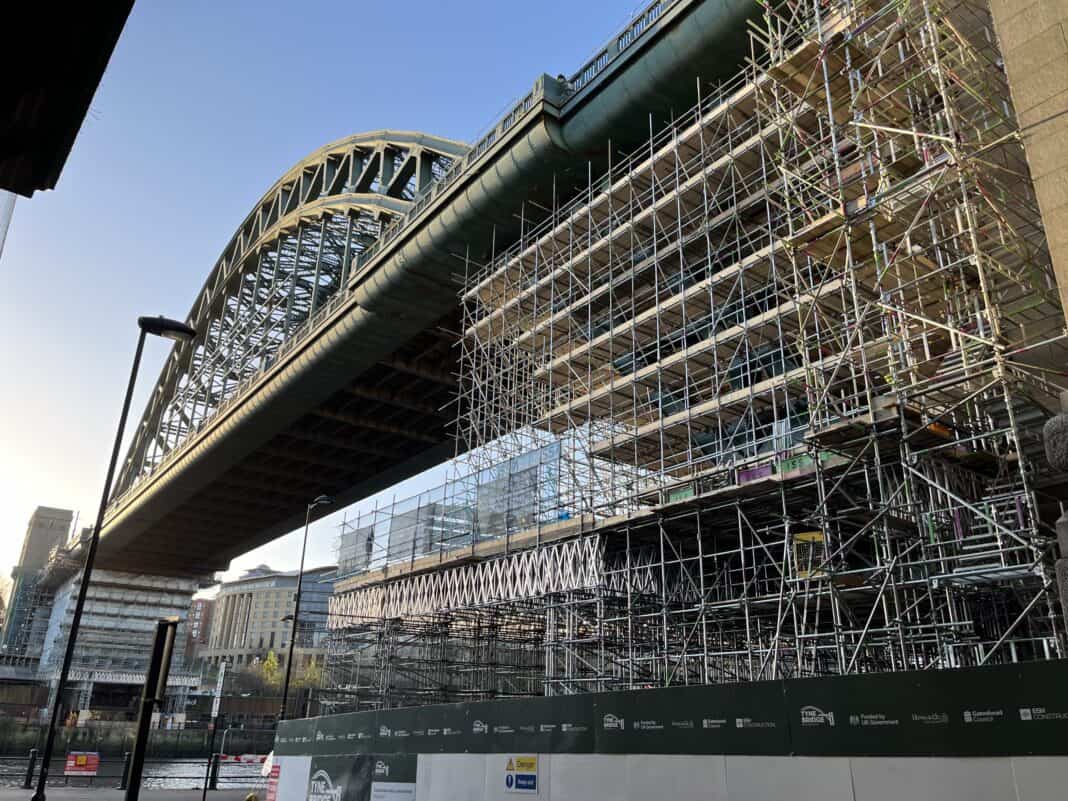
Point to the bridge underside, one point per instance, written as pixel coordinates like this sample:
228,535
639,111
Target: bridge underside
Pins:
392,421
340,373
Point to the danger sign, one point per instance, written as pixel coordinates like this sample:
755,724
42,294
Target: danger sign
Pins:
521,774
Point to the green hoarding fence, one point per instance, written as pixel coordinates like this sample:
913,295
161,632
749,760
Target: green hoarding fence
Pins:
990,711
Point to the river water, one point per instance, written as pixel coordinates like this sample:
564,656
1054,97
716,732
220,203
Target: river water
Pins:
170,774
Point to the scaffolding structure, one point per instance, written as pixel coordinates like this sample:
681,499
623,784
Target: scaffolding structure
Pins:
811,324
517,494
802,345
471,654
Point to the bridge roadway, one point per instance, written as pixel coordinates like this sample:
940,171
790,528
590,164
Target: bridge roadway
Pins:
342,384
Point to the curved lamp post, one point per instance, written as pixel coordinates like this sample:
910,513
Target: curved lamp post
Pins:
322,500
160,327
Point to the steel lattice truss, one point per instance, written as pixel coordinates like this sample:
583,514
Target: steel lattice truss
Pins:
524,574
287,260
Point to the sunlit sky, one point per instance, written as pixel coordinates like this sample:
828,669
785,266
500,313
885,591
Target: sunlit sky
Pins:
203,106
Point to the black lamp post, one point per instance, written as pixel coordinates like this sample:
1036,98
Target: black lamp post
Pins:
322,500
160,327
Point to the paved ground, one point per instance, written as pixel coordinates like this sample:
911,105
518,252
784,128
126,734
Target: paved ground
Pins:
107,794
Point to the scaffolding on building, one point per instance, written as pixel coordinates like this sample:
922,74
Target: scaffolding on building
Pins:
475,653
517,494
801,346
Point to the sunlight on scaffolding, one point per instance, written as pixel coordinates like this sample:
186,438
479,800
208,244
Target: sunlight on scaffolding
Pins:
798,351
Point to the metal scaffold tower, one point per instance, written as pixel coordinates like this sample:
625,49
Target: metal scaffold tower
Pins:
800,346
463,655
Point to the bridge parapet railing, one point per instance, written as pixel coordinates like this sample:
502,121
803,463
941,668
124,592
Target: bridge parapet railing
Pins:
620,43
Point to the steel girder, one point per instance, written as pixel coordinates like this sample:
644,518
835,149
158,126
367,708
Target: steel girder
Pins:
378,329
285,261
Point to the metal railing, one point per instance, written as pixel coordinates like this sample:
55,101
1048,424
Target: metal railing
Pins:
176,774
578,80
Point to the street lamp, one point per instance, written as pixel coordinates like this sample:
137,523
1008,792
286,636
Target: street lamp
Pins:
322,500
160,327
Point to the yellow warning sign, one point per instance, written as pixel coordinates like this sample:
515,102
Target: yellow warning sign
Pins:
521,774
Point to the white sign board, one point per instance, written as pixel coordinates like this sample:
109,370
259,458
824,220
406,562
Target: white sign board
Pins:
392,791
218,691
521,774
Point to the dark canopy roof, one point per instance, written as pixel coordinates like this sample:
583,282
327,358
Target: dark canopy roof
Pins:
51,62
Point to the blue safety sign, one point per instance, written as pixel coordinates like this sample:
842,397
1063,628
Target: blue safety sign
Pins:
521,774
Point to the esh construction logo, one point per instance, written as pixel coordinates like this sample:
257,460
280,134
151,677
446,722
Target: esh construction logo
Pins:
814,716
384,731
381,768
321,788
1031,713
614,722
478,727
750,723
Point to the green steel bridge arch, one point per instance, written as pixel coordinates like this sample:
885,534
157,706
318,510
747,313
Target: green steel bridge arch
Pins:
324,360
281,268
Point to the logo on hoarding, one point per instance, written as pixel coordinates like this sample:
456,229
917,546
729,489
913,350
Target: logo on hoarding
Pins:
478,727
384,731
321,788
930,718
569,727
983,715
381,768
872,719
614,722
750,723
814,716
1032,713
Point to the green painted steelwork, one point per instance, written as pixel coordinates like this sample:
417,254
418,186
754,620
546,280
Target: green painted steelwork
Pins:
403,284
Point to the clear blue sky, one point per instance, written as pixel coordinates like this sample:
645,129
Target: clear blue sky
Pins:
203,106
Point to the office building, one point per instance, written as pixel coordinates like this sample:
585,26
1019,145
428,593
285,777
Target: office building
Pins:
47,529
198,628
253,616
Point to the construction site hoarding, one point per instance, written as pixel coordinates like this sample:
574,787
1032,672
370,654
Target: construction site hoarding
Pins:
991,711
